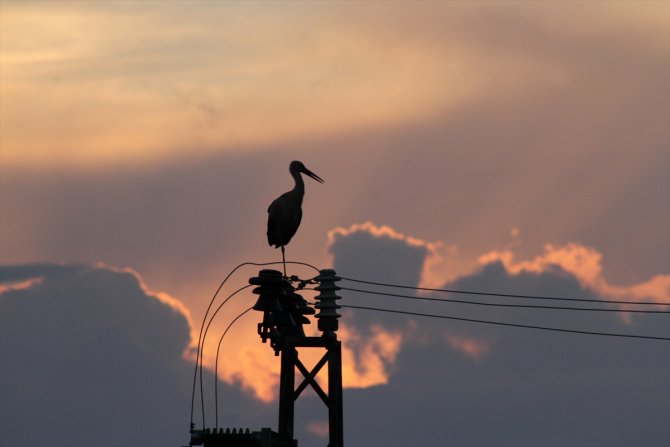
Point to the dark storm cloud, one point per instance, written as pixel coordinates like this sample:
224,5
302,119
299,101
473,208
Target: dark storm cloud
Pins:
90,357
186,217
15,273
456,383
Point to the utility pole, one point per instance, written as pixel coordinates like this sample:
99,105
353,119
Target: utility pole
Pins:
283,317
284,314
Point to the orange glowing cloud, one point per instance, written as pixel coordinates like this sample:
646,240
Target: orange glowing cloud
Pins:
20,285
366,360
243,359
253,367
170,301
441,263
89,84
585,264
376,231
470,347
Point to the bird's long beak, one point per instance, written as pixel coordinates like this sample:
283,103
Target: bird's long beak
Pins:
313,175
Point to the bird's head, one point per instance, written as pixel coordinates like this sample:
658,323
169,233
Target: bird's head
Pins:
298,167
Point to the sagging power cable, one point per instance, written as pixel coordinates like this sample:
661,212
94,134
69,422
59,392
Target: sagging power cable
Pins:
507,305
507,295
516,325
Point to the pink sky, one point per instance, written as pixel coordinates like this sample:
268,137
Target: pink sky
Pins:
153,135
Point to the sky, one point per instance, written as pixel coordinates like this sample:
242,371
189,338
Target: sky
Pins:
509,147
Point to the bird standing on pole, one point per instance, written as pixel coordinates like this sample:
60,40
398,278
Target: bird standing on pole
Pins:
285,212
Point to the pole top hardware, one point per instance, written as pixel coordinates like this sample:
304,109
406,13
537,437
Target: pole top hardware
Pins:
284,311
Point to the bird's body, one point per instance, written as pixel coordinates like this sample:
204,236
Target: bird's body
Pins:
284,216
285,212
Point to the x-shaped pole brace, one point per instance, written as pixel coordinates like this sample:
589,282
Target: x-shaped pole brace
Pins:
310,379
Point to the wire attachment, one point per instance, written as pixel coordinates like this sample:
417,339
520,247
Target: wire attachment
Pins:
284,310
302,283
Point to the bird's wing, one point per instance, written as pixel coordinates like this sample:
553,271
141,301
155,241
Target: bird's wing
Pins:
297,217
274,220
272,224
283,220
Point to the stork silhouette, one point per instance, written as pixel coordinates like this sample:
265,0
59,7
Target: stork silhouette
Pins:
285,212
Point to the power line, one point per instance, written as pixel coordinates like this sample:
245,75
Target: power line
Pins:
516,325
204,336
524,306
216,365
505,295
205,327
199,351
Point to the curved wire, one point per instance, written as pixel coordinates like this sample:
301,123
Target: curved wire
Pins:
198,359
216,365
523,306
505,295
204,336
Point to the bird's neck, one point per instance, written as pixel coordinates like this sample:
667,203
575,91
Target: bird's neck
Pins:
299,184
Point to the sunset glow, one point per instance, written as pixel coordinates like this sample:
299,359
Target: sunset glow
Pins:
585,264
512,148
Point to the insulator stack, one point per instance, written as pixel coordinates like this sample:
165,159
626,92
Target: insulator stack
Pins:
269,284
284,311
270,291
327,301
297,308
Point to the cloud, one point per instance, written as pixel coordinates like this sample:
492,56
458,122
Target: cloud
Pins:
370,251
473,348
367,359
559,99
431,264
149,95
468,384
97,338
168,77
389,252
487,111
90,356
585,264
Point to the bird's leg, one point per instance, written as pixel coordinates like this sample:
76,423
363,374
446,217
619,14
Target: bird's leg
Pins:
283,259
